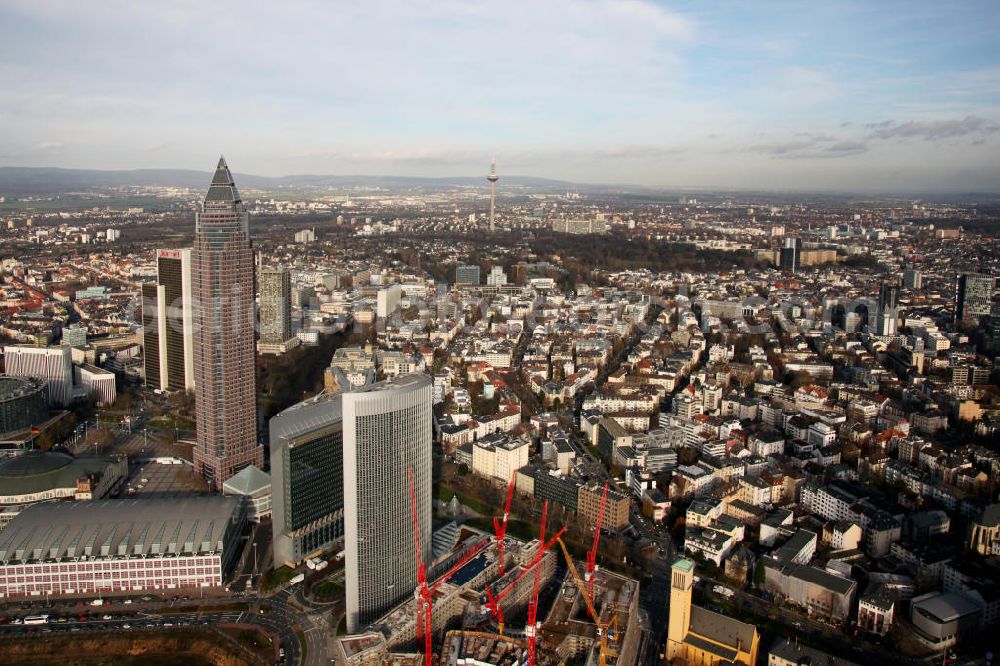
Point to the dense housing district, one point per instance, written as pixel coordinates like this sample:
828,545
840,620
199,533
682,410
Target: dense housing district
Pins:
723,429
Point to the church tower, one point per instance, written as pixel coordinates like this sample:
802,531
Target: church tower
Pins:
681,581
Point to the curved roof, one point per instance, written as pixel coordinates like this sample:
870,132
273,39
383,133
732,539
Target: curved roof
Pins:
35,472
19,387
32,463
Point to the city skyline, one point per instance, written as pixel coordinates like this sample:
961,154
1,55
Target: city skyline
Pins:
859,96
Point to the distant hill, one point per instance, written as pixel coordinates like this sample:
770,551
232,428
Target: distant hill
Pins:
54,180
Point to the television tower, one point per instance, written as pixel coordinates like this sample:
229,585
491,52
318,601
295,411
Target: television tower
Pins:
493,178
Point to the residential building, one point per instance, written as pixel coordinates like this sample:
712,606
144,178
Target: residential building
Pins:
616,507
276,311
498,456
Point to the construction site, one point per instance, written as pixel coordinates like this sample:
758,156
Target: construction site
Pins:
493,599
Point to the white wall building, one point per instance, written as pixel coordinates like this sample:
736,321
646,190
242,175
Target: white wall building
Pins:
95,381
54,365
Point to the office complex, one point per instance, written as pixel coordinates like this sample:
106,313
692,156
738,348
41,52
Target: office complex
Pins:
222,285
387,433
579,227
307,478
168,323
54,365
973,297
496,277
96,382
790,257
467,275
888,308
913,279
276,311
387,300
75,336
120,545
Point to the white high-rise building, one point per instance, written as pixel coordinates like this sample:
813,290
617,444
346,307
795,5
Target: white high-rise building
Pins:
387,300
54,365
97,382
496,277
387,435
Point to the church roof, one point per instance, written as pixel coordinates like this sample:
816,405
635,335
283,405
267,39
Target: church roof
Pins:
720,629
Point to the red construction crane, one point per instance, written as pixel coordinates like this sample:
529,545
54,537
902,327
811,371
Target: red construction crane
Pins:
501,527
493,601
531,628
424,592
592,553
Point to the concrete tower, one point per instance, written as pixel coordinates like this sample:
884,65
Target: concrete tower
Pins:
493,178
225,383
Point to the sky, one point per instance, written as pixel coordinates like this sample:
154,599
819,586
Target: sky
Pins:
757,94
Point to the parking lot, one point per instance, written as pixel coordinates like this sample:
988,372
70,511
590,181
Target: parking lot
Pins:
158,480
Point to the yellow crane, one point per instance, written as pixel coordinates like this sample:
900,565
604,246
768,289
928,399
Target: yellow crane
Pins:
605,630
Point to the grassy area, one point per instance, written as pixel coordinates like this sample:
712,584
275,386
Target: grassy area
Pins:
443,493
518,529
328,590
278,577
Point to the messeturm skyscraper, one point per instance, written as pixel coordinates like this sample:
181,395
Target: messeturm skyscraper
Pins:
223,289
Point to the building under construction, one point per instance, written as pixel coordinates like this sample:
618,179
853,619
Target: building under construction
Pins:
480,610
